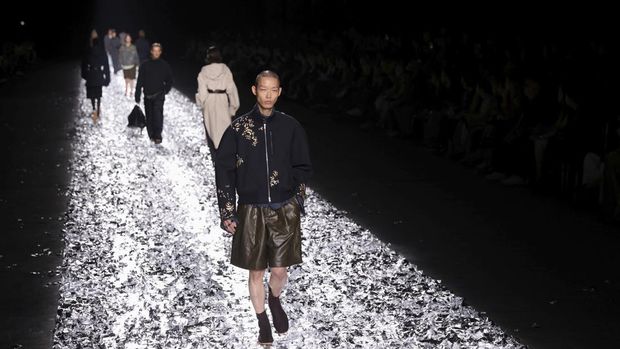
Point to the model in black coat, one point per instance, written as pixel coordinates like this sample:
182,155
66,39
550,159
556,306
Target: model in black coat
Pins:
96,72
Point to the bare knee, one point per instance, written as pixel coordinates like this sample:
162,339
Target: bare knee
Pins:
279,272
256,275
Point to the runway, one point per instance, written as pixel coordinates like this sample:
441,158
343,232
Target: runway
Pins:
145,264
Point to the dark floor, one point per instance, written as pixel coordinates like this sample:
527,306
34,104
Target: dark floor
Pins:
37,113
541,269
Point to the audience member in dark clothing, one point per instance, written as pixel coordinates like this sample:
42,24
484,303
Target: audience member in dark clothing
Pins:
610,193
96,72
156,79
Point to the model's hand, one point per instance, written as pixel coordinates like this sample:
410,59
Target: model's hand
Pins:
230,226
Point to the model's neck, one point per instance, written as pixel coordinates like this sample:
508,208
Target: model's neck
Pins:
265,112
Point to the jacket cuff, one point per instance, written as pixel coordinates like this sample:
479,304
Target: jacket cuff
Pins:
233,218
301,201
228,212
301,190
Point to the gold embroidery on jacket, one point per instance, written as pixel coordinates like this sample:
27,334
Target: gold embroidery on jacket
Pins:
301,190
247,132
227,206
274,180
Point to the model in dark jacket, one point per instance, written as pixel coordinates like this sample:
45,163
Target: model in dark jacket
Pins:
263,158
155,77
96,72
143,46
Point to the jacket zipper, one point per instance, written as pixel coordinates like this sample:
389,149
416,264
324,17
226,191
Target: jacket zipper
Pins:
267,160
271,142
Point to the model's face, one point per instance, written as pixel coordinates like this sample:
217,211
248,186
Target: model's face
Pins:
267,92
155,52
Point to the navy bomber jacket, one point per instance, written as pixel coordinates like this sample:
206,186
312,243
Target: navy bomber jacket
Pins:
262,160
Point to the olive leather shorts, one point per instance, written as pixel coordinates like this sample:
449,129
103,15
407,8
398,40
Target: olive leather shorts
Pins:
266,237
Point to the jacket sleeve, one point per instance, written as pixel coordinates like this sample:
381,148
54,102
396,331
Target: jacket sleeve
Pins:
143,71
84,67
233,95
201,95
106,71
135,57
226,175
300,161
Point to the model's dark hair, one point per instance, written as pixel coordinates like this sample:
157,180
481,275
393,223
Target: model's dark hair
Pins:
213,55
266,74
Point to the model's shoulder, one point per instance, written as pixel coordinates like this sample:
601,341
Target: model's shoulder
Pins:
285,115
161,61
287,118
241,120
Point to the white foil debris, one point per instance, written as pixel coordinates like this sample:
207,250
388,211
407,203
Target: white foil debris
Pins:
147,266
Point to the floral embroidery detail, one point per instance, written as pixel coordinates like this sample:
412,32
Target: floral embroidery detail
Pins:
274,180
227,204
246,126
301,190
229,207
239,161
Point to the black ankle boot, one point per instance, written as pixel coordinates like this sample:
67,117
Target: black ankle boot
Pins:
264,329
280,320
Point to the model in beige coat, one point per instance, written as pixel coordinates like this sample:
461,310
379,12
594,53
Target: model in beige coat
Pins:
217,96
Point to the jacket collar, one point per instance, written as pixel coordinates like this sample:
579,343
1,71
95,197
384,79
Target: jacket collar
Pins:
256,114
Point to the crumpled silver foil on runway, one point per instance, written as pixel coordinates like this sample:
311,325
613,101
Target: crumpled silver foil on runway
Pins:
146,264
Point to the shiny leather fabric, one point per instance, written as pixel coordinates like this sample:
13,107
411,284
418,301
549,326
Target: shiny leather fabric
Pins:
266,237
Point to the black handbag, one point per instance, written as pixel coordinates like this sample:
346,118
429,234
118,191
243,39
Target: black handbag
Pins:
136,118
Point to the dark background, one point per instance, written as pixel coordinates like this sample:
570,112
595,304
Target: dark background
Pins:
61,29
537,265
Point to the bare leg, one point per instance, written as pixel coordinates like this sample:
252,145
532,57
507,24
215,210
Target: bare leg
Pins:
277,280
132,83
257,290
